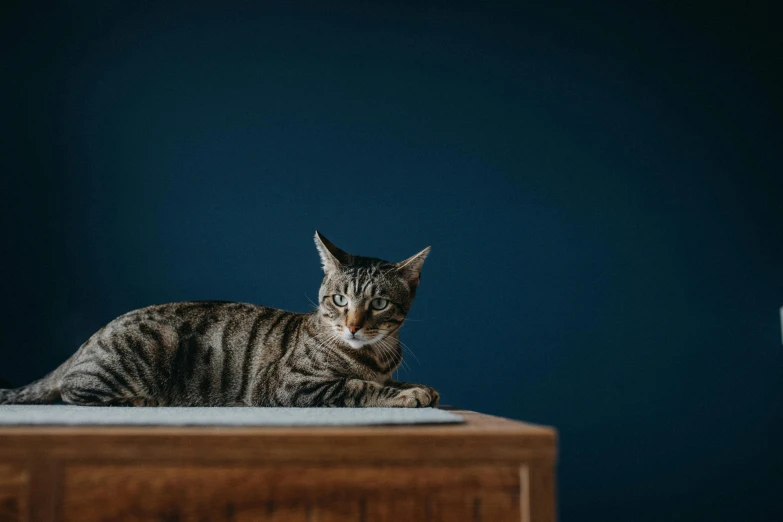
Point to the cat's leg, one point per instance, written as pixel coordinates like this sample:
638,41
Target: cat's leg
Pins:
360,393
99,388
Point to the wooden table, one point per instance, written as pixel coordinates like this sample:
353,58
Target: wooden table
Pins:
489,469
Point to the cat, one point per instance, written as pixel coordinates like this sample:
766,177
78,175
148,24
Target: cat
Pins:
219,353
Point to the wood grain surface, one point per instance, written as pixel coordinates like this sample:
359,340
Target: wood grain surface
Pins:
488,469
14,489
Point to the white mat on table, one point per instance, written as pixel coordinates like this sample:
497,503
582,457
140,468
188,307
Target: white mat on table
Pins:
53,415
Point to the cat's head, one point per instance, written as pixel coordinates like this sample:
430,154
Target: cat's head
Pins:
364,299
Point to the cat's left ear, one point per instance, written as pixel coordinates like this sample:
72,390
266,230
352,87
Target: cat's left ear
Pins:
410,269
331,256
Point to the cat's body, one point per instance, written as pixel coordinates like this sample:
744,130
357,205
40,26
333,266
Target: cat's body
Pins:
234,354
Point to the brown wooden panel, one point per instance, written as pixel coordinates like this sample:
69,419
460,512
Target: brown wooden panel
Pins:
272,512
474,505
286,493
388,506
543,495
14,483
499,506
326,511
345,511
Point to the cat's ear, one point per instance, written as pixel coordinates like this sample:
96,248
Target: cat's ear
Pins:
410,269
331,256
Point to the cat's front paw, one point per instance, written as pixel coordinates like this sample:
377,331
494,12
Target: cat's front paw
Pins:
419,397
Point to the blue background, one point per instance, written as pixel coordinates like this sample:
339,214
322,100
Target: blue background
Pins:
601,188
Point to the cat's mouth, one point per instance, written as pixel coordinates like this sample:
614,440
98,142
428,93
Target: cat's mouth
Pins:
356,341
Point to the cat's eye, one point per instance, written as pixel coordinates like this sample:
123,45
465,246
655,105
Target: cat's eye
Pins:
340,300
379,303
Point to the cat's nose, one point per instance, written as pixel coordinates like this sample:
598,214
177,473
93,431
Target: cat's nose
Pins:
353,328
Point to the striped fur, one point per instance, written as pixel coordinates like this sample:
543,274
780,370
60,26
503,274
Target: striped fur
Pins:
214,353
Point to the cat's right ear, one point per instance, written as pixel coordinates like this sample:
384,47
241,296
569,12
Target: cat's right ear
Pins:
331,256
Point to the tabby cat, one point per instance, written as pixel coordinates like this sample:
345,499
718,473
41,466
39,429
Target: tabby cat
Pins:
214,353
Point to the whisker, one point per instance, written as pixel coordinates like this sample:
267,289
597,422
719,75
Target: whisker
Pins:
328,345
406,347
311,301
382,352
389,345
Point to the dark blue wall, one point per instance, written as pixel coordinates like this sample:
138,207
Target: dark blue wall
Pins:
601,189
